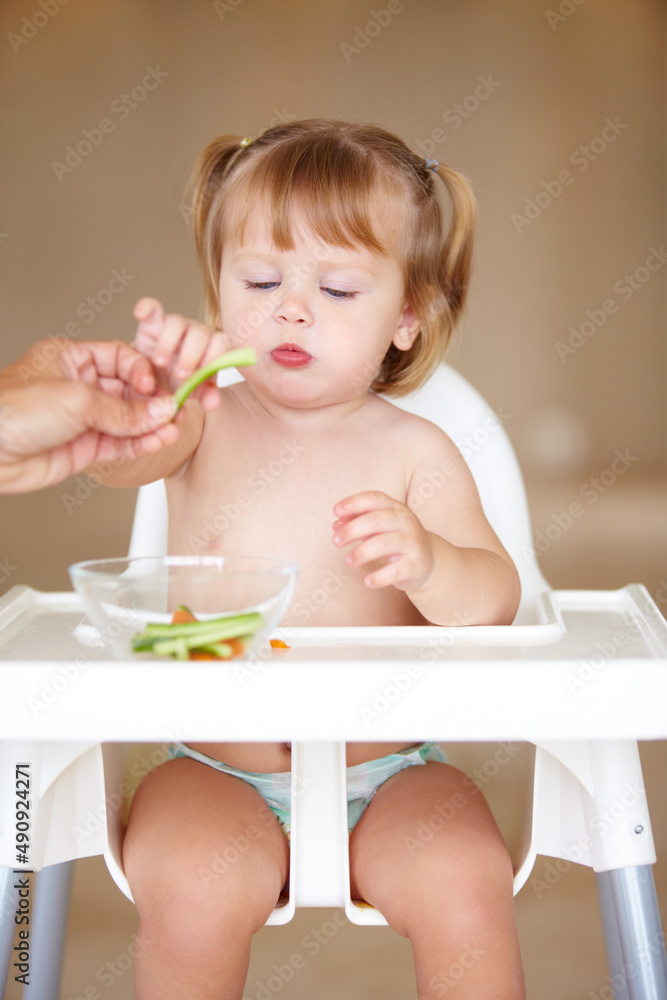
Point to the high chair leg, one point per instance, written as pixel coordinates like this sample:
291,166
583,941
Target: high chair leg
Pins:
8,899
633,933
48,928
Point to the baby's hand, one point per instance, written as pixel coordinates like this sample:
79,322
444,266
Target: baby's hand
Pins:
177,347
388,532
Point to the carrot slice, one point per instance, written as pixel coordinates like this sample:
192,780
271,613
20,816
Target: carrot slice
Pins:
235,646
278,644
181,615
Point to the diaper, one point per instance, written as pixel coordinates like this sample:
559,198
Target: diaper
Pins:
363,780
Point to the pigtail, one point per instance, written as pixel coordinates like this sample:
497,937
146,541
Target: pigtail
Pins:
456,256
437,274
209,171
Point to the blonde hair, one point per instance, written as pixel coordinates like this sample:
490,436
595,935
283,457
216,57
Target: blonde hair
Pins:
334,174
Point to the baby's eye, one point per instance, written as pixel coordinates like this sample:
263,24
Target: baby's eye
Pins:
262,285
340,293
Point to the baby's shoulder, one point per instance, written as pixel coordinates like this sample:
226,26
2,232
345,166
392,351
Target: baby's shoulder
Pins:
415,431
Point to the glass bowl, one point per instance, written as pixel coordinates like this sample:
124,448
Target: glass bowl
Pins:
130,601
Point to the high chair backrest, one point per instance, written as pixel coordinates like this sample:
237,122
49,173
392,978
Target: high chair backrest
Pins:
449,401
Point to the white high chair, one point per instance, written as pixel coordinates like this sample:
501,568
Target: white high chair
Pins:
573,782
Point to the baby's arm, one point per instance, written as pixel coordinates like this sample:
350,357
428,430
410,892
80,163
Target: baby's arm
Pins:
448,560
176,347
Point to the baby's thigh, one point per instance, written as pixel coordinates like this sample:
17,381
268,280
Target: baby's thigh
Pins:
427,826
198,837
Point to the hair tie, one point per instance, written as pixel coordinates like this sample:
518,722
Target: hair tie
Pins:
432,165
246,142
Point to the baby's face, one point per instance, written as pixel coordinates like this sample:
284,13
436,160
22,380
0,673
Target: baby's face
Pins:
320,317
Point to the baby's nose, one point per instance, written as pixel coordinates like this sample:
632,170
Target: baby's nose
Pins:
293,307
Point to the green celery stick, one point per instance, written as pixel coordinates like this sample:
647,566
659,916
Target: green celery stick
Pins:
229,627
222,649
177,648
233,359
219,649
193,635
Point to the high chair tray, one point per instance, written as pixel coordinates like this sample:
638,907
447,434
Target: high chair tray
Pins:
594,666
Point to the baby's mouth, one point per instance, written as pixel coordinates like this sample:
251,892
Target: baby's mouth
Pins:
290,356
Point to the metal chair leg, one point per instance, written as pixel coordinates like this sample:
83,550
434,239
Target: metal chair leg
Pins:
48,928
633,933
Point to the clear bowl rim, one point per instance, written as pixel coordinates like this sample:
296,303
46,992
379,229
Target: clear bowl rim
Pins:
102,569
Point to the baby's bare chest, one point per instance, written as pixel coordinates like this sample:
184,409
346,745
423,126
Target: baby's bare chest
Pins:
274,495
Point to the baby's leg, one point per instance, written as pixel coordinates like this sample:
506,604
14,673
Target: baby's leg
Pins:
206,860
427,853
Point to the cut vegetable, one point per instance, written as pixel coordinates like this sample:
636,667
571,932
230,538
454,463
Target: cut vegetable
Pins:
233,359
182,614
278,644
185,637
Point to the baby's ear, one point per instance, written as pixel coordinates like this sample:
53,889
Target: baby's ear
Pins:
407,329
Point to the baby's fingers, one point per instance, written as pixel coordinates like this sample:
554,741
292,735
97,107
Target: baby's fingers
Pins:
168,339
149,314
371,522
357,503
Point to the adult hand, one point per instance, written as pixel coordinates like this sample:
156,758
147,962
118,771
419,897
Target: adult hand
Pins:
89,402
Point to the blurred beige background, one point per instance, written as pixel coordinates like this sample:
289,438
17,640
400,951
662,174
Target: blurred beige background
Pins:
556,113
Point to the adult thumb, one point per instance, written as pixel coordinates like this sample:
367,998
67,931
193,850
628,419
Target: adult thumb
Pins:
130,418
